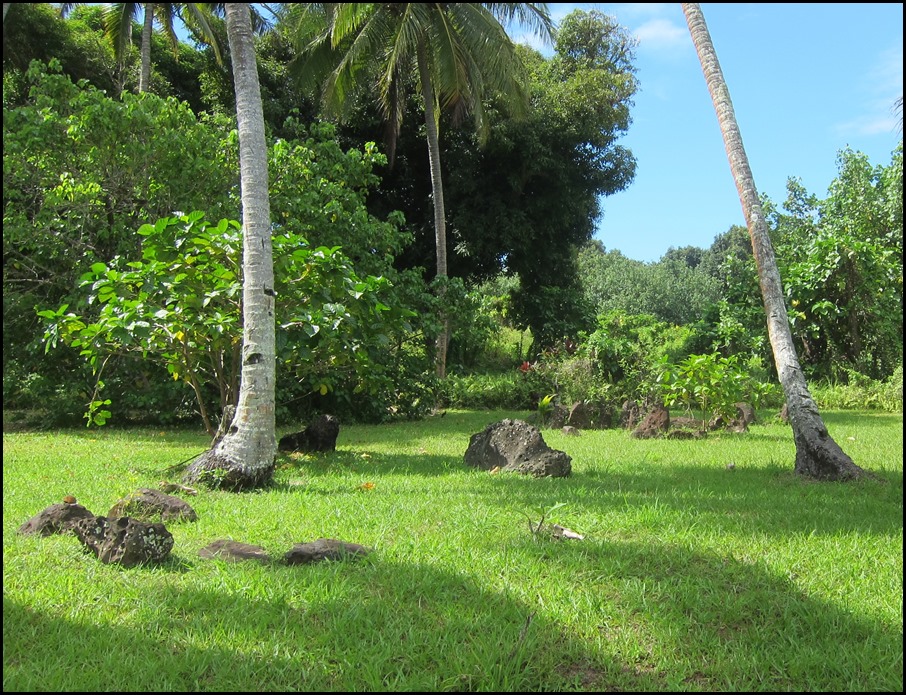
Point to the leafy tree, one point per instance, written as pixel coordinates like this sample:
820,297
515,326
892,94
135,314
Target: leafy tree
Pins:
179,306
628,350
456,52
53,233
710,384
669,289
817,454
844,267
526,202
77,184
37,32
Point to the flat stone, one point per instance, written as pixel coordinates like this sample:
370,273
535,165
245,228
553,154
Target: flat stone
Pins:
233,551
323,549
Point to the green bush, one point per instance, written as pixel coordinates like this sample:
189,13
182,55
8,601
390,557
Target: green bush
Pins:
859,392
512,390
711,385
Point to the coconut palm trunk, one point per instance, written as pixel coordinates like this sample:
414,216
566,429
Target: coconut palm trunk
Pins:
437,190
244,457
817,454
144,80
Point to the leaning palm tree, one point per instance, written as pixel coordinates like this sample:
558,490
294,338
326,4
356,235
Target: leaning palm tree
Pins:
119,16
454,52
817,454
244,456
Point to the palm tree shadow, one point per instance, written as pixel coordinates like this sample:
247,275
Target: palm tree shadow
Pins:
666,618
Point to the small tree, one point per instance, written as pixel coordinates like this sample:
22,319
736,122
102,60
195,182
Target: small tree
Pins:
179,306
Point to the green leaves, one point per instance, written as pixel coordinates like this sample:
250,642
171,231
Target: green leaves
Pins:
710,384
180,307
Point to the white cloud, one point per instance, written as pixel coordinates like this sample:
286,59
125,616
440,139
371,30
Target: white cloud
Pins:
887,75
883,85
643,9
867,125
661,33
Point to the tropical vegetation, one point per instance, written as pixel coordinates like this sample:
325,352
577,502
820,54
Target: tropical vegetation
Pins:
81,194
200,254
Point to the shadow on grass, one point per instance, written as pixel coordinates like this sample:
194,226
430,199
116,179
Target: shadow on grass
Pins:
744,502
665,619
771,500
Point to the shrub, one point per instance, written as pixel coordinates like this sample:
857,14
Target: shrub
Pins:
859,392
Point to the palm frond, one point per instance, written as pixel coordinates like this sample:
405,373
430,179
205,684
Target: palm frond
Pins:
198,18
118,19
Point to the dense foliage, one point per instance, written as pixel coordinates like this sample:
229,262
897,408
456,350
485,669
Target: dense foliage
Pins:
536,307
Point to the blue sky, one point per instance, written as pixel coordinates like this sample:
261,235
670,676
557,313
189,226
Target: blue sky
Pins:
806,80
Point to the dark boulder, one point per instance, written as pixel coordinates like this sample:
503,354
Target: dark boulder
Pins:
57,518
320,435
515,445
655,424
124,541
146,504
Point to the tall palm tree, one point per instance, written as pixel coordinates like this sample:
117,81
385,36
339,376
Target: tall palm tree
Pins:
244,457
119,16
454,52
817,454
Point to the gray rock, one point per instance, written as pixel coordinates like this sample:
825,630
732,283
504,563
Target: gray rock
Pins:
124,541
580,416
151,505
233,551
745,413
515,445
323,549
630,415
57,518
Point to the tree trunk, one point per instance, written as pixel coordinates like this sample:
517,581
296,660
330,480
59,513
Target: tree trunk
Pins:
244,457
817,454
437,188
144,80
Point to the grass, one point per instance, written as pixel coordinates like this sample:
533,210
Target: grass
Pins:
690,577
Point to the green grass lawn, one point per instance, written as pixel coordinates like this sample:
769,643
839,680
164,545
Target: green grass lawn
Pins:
690,576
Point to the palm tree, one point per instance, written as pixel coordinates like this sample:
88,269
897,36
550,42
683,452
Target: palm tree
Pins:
817,454
244,457
118,19
454,51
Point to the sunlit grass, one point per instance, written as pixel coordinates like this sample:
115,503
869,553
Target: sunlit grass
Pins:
690,576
